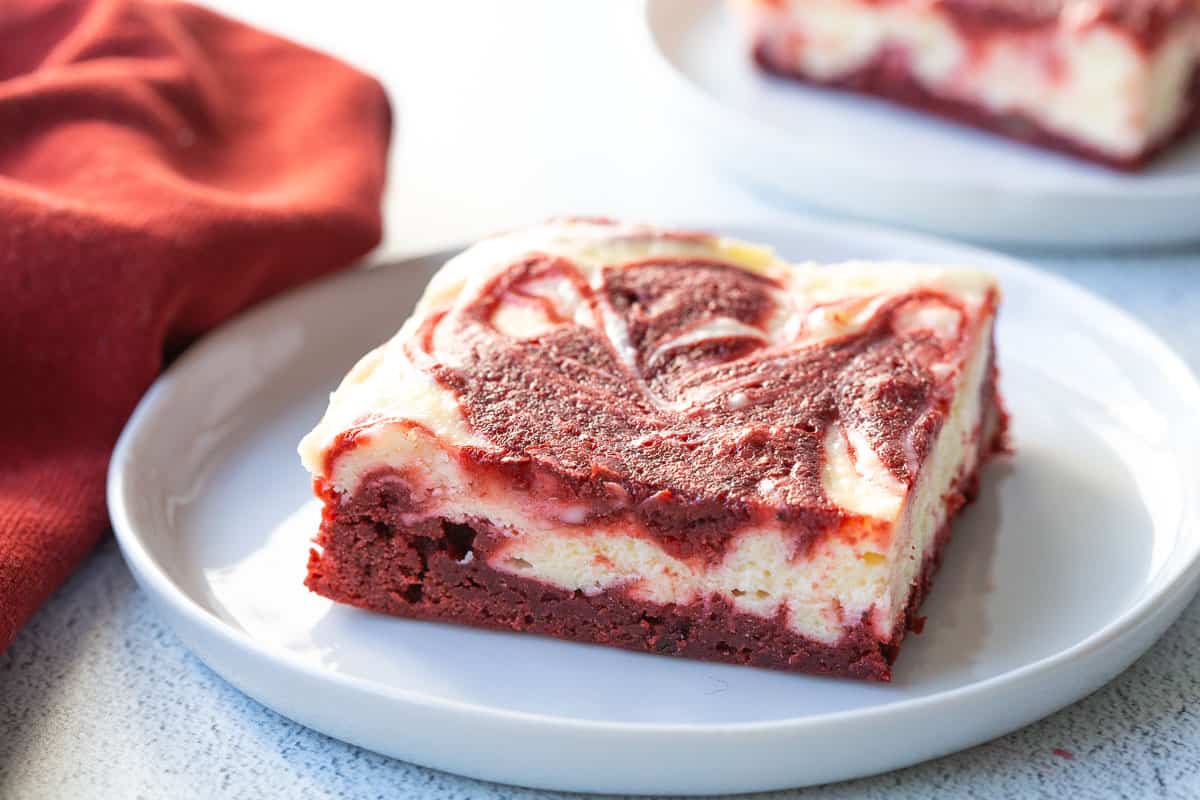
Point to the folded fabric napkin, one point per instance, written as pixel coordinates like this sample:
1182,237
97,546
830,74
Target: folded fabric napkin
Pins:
161,168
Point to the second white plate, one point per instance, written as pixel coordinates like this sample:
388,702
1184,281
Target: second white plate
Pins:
1081,549
867,158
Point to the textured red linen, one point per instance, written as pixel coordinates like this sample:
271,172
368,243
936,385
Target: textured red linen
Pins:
161,168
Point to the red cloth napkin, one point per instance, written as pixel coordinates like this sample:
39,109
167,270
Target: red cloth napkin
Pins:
161,168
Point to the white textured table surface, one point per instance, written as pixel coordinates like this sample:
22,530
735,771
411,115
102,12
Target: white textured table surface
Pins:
533,111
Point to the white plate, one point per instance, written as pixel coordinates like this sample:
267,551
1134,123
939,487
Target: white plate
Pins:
1080,551
867,158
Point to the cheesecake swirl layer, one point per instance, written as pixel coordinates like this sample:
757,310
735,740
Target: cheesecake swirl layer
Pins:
701,417
687,385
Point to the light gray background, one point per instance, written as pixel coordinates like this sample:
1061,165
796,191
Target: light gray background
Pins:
506,113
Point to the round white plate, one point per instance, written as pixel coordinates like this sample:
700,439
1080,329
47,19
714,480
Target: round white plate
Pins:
1080,551
868,158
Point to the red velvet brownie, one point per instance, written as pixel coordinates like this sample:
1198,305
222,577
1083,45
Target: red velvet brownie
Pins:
669,442
1113,81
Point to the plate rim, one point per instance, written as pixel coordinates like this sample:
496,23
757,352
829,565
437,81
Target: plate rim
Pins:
700,101
1161,593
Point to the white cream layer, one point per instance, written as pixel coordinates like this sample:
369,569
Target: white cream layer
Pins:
1082,78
